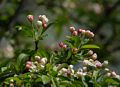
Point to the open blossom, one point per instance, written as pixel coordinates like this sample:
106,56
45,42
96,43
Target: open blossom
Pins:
43,61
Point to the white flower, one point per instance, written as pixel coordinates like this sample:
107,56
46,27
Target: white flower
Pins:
113,73
79,74
117,76
39,23
70,67
43,18
85,62
106,69
105,63
42,66
43,61
37,58
108,74
84,68
62,71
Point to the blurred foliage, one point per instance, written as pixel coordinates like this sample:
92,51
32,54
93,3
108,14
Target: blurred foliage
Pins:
100,16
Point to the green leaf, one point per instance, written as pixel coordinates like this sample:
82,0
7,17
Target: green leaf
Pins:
89,46
84,82
45,79
112,81
49,25
3,69
53,82
26,31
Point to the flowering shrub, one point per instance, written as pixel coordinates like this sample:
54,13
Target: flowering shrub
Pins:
73,65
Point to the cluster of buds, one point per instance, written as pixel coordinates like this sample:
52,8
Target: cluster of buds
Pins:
42,20
67,72
28,64
92,55
95,63
113,74
75,32
41,61
62,45
37,65
11,83
81,72
86,33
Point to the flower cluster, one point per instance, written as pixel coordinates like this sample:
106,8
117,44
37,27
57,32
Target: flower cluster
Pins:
86,33
37,65
42,20
62,45
67,72
60,69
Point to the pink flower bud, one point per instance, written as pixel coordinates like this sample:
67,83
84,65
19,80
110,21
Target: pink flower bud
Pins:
92,34
72,29
44,25
90,52
94,56
74,33
28,66
113,73
79,30
64,46
61,44
29,63
30,18
83,32
98,64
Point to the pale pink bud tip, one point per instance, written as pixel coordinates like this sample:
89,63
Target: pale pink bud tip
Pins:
74,33
72,29
94,56
30,18
90,52
29,63
61,44
79,30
